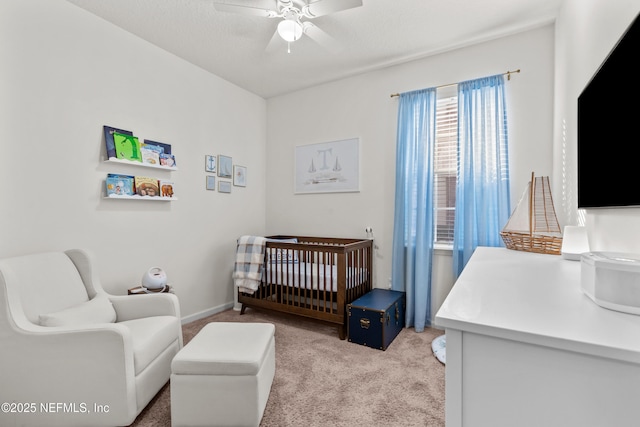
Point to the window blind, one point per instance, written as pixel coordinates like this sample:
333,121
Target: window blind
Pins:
445,168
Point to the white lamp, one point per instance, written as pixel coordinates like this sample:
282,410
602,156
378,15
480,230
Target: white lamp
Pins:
574,242
290,30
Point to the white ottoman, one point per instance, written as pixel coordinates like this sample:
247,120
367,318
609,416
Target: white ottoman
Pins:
223,376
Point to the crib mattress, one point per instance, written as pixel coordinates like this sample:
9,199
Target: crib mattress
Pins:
312,275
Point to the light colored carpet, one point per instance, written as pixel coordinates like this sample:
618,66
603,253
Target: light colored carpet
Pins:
321,380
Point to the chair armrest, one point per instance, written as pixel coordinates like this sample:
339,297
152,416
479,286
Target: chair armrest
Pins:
130,307
89,365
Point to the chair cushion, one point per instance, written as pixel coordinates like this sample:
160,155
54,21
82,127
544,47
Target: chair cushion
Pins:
151,336
47,282
97,310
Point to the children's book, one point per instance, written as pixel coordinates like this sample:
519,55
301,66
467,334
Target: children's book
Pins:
108,138
166,188
166,148
150,156
151,147
127,147
167,160
146,186
120,185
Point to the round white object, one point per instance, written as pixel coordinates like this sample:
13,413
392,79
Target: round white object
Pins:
154,278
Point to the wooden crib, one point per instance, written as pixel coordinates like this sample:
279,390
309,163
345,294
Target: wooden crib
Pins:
313,277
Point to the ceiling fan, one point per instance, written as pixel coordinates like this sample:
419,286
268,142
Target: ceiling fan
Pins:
293,14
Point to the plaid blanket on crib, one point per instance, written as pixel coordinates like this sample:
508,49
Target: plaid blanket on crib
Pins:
247,272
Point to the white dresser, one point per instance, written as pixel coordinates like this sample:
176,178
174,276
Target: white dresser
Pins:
525,347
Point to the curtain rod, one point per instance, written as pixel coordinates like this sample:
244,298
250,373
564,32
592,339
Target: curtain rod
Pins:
508,74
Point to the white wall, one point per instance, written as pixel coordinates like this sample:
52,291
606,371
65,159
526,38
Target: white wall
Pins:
361,107
586,31
65,73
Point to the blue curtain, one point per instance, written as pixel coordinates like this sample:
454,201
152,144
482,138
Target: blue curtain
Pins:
413,216
482,195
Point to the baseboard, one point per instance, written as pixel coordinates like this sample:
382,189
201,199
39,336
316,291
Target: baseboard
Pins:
205,313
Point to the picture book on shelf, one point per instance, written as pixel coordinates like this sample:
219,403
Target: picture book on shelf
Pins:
120,185
146,186
167,160
127,147
150,154
109,142
166,148
166,188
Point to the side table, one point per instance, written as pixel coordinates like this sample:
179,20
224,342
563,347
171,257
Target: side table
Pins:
138,290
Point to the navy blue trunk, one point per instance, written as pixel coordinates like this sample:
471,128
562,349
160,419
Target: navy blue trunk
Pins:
376,318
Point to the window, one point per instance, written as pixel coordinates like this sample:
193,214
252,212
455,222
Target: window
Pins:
445,168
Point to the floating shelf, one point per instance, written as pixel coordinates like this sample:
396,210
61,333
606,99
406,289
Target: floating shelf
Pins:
143,198
144,165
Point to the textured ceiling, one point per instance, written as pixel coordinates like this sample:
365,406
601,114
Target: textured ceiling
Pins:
377,34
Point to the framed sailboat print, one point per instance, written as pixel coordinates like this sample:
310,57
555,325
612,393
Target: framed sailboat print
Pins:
224,166
328,167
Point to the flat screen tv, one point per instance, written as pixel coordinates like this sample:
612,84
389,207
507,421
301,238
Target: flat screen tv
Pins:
609,129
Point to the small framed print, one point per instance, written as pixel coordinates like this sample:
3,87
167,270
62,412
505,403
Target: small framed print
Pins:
224,166
224,186
210,163
211,182
239,176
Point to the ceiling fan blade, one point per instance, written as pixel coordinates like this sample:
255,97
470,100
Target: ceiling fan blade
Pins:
267,9
325,7
321,37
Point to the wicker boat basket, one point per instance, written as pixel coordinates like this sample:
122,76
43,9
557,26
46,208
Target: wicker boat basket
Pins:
533,226
532,243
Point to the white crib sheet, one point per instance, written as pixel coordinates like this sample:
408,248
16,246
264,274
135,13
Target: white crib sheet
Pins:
312,275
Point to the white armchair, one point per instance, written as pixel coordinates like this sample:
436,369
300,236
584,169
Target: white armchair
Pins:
73,355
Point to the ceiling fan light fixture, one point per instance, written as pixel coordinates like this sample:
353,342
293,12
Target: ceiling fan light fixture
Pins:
290,30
